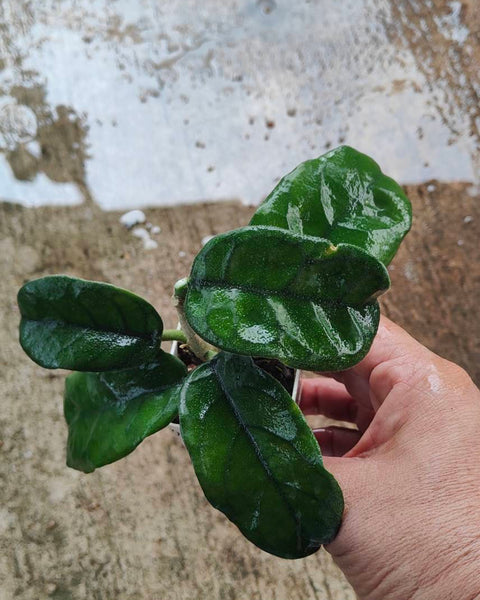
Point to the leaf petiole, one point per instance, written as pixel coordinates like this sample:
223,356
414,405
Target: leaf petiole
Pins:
169,335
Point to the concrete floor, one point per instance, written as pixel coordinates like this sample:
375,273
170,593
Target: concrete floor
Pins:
141,529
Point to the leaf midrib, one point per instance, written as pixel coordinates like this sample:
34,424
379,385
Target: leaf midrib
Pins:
258,454
96,328
206,283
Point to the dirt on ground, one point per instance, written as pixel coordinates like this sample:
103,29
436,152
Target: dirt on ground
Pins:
141,528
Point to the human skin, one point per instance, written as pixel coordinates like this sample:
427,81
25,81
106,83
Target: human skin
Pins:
410,476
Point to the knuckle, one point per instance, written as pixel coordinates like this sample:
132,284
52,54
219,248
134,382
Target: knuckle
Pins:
455,373
402,369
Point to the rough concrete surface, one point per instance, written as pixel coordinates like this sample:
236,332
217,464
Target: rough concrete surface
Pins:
398,79
140,528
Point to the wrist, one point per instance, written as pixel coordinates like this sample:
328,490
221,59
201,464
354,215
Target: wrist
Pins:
436,559
448,569
457,579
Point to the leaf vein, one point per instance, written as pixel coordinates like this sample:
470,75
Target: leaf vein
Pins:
258,454
331,303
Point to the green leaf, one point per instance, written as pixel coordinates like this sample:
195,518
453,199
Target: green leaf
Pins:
86,325
109,414
256,458
342,196
267,292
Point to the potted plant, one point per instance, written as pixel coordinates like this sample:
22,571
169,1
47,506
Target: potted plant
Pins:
295,289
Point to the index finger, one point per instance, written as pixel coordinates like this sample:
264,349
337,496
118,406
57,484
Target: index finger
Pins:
392,358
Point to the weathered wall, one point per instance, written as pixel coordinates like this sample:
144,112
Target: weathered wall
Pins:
158,102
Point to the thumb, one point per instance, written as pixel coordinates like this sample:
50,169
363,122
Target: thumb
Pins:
394,357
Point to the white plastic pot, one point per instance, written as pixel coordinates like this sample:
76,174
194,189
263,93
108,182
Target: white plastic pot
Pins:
175,427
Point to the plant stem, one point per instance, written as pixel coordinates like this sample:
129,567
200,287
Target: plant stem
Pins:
169,335
199,347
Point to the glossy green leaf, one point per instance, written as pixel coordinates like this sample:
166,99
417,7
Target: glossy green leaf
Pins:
86,325
256,458
267,292
342,196
109,414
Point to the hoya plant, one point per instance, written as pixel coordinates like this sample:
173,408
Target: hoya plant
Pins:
295,289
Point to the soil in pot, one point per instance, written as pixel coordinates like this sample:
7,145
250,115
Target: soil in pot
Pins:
283,374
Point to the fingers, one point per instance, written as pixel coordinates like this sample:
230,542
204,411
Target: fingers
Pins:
395,361
325,396
336,441
394,356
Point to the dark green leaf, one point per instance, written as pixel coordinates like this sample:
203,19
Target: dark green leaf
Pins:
109,414
86,325
342,196
267,292
256,458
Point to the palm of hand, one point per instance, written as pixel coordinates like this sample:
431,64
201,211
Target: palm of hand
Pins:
409,474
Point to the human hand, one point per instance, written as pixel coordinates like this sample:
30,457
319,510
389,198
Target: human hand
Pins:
410,475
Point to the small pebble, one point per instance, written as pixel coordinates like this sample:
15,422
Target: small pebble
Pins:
182,254
431,188
133,217
156,229
460,242
51,525
468,219
150,244
142,233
